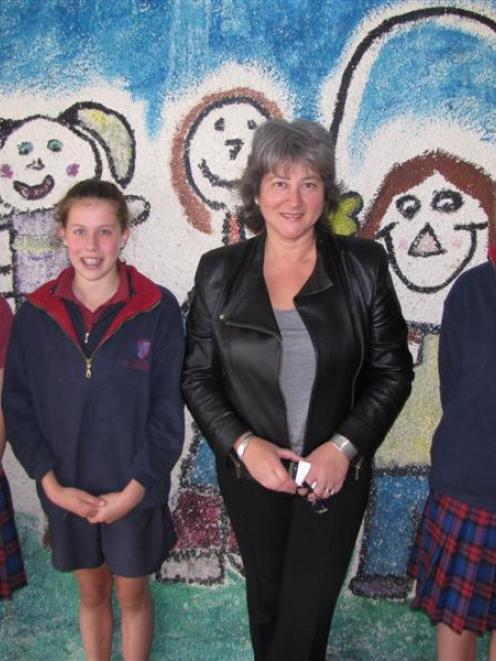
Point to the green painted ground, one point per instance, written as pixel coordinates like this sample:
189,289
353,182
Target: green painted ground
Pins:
195,624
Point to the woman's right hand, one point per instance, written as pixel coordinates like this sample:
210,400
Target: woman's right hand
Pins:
71,499
263,461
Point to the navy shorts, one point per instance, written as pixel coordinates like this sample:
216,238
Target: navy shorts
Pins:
133,546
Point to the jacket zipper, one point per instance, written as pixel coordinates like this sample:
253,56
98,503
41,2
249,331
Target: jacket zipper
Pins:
261,329
314,384
359,462
88,361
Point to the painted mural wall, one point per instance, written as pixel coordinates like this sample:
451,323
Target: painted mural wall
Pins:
162,97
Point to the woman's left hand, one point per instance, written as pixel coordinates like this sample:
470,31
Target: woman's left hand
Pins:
328,470
118,503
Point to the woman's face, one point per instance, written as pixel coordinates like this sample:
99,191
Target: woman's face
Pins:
291,200
94,238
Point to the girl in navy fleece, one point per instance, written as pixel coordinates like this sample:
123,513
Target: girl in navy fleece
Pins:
454,556
94,414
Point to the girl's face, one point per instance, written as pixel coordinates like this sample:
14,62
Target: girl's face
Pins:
94,238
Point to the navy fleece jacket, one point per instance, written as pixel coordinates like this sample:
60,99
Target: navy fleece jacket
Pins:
102,421
464,446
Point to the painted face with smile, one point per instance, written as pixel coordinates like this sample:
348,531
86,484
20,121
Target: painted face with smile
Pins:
432,232
39,161
94,238
291,200
218,146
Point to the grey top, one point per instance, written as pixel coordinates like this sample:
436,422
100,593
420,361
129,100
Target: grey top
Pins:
297,373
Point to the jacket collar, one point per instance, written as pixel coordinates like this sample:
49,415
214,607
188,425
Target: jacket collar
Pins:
145,295
249,303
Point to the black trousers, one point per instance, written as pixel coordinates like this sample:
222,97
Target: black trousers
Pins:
295,561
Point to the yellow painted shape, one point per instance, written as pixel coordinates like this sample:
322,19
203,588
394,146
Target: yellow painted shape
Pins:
409,440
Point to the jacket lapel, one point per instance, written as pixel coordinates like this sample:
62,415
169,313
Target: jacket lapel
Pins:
249,304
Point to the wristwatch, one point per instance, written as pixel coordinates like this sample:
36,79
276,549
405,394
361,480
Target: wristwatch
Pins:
345,446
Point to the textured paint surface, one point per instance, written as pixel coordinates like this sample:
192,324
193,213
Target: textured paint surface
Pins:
162,97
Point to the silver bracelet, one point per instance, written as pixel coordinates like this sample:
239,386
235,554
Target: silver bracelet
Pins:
345,446
243,444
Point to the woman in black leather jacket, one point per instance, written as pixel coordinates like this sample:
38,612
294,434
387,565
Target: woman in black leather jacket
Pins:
296,350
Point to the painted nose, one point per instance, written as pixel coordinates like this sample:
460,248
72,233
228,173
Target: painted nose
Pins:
234,145
36,164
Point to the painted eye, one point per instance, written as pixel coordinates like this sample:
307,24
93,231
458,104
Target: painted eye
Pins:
408,205
446,201
54,145
252,124
25,148
220,124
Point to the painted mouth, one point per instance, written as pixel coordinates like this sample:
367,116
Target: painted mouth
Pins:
35,192
213,178
385,234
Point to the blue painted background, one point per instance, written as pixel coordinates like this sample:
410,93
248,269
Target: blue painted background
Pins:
163,46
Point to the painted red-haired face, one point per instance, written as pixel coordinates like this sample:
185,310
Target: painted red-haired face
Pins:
432,213
430,233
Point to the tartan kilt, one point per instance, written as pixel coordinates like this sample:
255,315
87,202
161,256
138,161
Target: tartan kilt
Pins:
12,574
454,562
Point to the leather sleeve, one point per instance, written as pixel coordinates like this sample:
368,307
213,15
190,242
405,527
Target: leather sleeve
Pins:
164,433
203,371
384,382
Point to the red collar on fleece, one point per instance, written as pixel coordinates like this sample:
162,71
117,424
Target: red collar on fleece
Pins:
491,253
145,295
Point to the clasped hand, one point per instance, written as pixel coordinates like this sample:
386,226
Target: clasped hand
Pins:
105,508
327,472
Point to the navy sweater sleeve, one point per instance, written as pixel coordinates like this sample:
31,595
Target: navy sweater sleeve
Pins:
451,346
164,434
21,422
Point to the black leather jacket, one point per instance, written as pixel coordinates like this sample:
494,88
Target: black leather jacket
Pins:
349,306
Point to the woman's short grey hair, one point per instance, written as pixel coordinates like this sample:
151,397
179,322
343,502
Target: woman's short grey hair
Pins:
279,142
